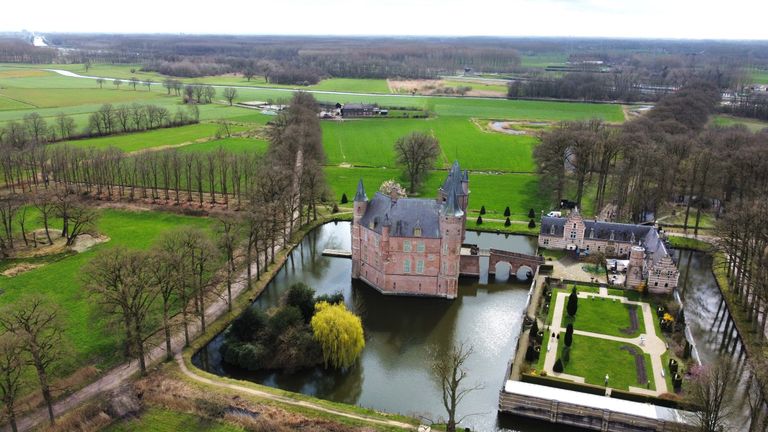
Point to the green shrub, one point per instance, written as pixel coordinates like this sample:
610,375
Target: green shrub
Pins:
282,319
479,220
507,222
532,224
302,297
531,214
246,327
558,367
507,213
482,210
344,198
335,298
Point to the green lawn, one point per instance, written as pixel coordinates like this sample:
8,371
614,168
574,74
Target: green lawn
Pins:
93,341
760,76
371,143
8,104
155,138
476,85
542,60
160,420
599,315
593,358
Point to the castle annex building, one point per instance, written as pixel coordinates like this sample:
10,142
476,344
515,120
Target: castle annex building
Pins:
649,260
408,245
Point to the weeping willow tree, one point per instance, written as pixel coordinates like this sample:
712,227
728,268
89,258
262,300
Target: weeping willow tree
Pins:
339,332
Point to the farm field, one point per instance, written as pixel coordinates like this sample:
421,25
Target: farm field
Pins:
155,138
61,282
542,60
476,85
760,76
234,144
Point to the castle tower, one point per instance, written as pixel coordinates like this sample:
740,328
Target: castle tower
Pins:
635,267
451,230
360,205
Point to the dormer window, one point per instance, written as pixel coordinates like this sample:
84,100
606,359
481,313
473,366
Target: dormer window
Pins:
592,233
417,232
613,235
632,238
552,229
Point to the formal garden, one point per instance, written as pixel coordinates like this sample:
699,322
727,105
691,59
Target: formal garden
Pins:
593,339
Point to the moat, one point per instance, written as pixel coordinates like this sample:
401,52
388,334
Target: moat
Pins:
393,374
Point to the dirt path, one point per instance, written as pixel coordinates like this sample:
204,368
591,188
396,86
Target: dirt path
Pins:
286,399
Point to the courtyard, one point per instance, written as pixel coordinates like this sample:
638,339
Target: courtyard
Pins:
616,341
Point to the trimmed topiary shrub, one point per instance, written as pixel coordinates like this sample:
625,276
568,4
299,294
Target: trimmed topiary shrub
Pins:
573,303
335,208
482,210
532,224
566,356
507,222
507,213
344,198
479,220
531,214
558,367
568,335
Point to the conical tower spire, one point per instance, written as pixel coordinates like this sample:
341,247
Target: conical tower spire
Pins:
452,207
360,196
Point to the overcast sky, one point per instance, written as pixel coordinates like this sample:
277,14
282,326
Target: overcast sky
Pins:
696,19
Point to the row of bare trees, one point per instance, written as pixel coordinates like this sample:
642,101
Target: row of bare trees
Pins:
34,129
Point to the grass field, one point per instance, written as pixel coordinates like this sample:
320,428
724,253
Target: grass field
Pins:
476,85
751,124
160,420
760,76
494,191
370,143
154,138
93,341
234,144
542,60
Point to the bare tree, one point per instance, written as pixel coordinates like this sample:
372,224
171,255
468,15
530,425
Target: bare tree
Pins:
229,230
66,125
100,82
44,204
11,368
450,370
148,83
9,205
37,325
418,152
710,392
122,284
230,94
117,83
133,82
167,270
81,219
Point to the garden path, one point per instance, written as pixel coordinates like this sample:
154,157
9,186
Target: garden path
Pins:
652,344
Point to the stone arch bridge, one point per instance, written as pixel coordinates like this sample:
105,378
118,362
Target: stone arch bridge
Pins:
470,260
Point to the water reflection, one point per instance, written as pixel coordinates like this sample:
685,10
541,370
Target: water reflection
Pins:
393,373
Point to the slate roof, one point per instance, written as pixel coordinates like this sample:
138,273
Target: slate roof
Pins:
404,215
358,106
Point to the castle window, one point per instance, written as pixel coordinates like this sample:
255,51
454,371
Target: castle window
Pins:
420,266
552,229
407,266
666,285
655,284
406,245
587,247
613,235
573,235
420,246
445,249
574,226
417,232
598,248
592,233
546,241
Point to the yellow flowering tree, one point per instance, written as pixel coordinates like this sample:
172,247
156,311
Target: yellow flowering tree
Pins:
339,332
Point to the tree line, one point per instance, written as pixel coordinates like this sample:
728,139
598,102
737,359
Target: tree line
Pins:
666,155
34,129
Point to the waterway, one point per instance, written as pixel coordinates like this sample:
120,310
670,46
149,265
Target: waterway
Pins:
393,373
